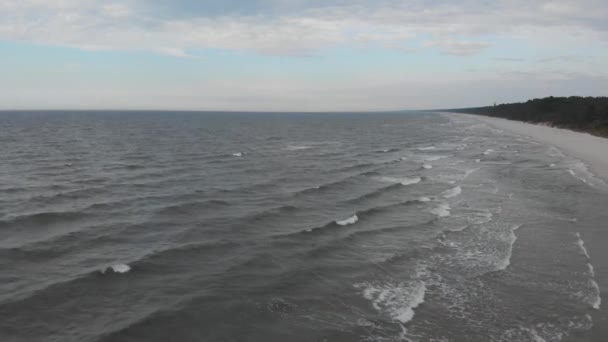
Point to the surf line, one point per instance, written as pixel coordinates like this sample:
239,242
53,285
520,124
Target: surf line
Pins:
595,301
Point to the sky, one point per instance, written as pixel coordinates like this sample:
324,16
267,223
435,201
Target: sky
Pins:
298,55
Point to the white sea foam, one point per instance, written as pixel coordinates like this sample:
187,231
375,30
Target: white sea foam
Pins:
536,337
526,334
443,210
511,238
434,158
238,154
488,151
581,244
297,147
549,332
583,323
467,173
408,181
118,268
454,145
396,300
427,166
351,220
575,175
491,253
580,170
428,148
424,199
584,173
456,229
596,300
481,218
590,149
402,181
452,192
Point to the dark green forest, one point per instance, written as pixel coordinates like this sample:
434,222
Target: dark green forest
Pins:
585,114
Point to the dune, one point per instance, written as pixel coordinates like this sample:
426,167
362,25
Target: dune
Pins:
590,149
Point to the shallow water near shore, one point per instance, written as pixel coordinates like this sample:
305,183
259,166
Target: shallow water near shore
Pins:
294,227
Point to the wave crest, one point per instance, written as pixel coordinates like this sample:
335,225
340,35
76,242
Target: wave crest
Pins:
346,222
118,268
397,300
403,181
443,210
452,192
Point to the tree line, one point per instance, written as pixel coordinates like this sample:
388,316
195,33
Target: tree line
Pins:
585,114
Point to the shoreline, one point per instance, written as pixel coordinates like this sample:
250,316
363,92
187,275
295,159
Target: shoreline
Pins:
590,149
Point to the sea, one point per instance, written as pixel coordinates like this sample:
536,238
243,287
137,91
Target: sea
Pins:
186,226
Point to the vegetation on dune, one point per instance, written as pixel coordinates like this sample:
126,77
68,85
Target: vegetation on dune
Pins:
585,114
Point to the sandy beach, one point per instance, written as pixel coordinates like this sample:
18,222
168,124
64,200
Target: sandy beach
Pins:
590,149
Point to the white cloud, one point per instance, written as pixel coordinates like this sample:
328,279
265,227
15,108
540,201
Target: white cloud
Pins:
458,47
455,29
116,10
175,52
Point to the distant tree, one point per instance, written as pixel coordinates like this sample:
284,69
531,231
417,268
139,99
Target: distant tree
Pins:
589,114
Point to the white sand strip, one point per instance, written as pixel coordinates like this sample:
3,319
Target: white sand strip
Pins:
588,148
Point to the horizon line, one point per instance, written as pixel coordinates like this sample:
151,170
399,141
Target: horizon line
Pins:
236,111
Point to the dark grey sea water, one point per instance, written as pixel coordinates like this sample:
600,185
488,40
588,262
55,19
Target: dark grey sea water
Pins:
293,227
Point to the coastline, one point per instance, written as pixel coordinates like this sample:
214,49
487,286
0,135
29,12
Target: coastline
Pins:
593,151
590,149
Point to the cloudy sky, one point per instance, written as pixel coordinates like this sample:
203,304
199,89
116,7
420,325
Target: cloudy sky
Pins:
298,55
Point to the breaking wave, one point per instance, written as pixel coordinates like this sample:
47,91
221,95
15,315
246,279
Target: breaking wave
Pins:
594,298
118,268
443,210
452,192
511,238
297,147
351,220
581,245
362,214
388,150
397,300
434,158
402,181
